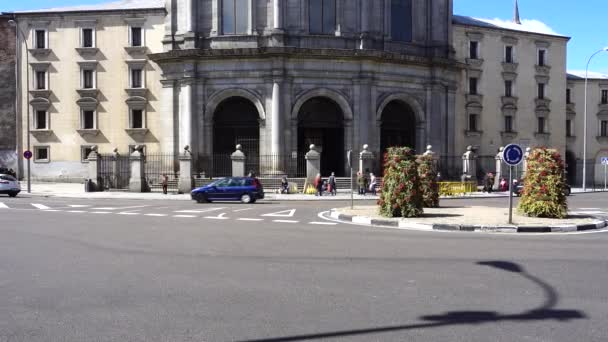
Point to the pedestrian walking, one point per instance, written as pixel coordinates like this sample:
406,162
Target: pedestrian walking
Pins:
332,184
165,183
319,185
373,183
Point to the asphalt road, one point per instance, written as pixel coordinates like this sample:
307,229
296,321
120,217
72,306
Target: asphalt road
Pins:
111,270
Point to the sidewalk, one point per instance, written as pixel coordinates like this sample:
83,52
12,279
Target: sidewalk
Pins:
75,190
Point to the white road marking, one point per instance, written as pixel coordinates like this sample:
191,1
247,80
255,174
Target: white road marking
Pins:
239,210
284,213
285,221
122,208
250,219
76,211
3,206
101,212
588,209
184,216
219,217
156,215
78,205
198,211
52,210
324,223
128,213
40,206
105,208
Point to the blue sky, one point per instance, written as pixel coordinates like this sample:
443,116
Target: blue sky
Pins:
584,20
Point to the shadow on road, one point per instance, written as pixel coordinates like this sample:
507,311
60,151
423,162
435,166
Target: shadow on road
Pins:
544,312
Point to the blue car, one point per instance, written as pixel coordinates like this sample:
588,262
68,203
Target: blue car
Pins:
244,189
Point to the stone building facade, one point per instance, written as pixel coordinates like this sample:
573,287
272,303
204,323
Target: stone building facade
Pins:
8,88
90,84
277,76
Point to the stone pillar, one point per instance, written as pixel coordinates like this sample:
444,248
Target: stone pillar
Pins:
116,181
238,162
526,156
94,170
185,113
276,145
433,155
137,182
185,182
277,7
313,164
365,39
499,168
166,116
469,164
366,160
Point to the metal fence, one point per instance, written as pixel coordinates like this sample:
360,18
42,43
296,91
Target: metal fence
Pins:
160,164
213,166
220,165
114,171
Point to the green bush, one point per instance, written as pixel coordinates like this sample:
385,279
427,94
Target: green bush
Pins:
544,185
428,181
401,195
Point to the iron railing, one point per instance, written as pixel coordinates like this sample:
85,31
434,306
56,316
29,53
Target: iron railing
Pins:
156,166
114,171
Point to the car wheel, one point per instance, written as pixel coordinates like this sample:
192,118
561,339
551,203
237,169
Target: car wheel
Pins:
13,194
246,198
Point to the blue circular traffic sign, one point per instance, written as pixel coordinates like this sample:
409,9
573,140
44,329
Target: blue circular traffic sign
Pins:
512,154
27,154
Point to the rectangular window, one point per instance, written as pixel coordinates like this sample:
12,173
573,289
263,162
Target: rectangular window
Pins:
137,118
41,154
88,119
235,16
604,128
568,98
88,79
541,91
473,85
542,57
401,20
604,96
87,38
322,16
508,123
473,122
136,36
40,42
508,88
568,128
541,125
136,78
40,121
473,49
84,153
508,54
40,80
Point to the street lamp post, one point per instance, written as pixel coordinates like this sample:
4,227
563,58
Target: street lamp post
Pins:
27,91
585,121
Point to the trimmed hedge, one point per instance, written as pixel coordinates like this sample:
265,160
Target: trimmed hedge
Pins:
428,182
401,195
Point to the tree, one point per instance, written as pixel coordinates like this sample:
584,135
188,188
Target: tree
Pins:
428,181
401,195
544,184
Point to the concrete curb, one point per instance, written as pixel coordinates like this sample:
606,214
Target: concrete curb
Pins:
600,223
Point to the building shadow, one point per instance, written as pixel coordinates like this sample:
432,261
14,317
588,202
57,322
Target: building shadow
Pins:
546,311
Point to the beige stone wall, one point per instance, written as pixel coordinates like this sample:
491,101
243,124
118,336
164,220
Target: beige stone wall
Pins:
492,73
112,78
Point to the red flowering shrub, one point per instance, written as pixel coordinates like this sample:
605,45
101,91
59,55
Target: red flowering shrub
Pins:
401,195
428,182
543,194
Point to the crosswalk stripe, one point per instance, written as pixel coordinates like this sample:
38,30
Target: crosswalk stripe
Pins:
156,215
197,211
250,219
101,212
76,211
285,221
184,216
3,206
78,205
127,213
324,223
40,206
52,210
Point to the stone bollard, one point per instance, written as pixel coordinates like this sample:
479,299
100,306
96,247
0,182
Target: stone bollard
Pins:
238,162
366,160
469,164
313,164
499,168
185,182
137,182
94,174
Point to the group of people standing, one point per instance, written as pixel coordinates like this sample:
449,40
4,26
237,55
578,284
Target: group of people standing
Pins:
328,185
367,182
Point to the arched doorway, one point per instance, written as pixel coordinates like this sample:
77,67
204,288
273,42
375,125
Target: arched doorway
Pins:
398,126
321,122
235,121
571,168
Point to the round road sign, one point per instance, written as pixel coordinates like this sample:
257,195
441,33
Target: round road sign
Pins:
512,154
27,154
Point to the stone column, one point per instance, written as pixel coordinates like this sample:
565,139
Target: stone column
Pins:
313,164
526,156
167,116
499,168
276,138
366,160
277,7
238,162
365,39
94,175
185,182
137,182
469,164
185,113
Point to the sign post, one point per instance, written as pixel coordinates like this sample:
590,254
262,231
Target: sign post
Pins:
28,156
512,155
349,156
605,163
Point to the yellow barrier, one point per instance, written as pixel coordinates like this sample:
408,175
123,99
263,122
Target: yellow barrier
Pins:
456,188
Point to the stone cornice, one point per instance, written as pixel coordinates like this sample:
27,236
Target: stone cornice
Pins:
293,52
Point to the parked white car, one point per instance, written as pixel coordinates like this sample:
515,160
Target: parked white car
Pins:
9,185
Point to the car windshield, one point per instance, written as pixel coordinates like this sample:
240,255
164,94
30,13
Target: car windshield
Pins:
8,178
